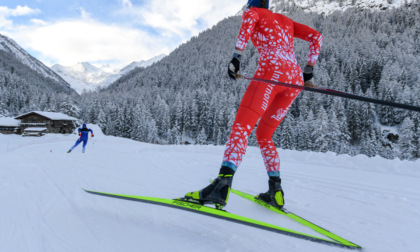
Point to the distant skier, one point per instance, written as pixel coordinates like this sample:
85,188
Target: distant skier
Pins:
272,34
83,137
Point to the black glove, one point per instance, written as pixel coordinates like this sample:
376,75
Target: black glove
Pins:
234,65
308,74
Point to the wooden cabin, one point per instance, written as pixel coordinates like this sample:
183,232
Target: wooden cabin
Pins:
34,131
9,125
53,122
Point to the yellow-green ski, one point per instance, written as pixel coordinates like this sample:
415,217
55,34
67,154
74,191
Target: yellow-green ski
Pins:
221,214
297,218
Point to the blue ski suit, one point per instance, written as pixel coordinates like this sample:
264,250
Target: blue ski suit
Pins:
84,135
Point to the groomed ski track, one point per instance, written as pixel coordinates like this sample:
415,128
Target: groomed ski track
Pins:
371,201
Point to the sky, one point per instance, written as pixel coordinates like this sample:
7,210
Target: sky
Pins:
114,32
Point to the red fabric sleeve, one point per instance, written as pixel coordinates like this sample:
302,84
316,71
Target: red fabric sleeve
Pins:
249,20
314,37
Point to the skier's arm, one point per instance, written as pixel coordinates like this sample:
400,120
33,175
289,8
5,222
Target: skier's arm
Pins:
249,19
80,131
91,132
315,39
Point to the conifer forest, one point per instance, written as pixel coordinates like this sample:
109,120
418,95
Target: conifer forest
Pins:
187,97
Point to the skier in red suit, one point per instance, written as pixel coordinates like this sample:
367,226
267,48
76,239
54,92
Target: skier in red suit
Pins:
272,34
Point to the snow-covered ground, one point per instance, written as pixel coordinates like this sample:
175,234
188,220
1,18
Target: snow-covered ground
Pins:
370,201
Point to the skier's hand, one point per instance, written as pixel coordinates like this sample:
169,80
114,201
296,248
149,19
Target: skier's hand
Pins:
308,76
92,135
234,64
80,134
308,73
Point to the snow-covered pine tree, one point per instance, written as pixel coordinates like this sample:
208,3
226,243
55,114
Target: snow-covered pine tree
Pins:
407,139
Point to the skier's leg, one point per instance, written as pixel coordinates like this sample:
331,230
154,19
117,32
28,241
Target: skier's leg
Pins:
245,120
266,127
255,101
75,145
218,191
84,145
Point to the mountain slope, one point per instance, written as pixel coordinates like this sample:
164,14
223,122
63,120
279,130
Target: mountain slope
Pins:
10,47
27,84
85,76
327,6
371,201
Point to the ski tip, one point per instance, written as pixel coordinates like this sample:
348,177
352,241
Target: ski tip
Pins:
88,191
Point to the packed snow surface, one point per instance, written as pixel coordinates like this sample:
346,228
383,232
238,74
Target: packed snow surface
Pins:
372,202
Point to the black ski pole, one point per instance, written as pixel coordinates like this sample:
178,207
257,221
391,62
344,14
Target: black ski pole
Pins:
336,93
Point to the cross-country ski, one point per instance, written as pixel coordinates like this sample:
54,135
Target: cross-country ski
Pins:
222,214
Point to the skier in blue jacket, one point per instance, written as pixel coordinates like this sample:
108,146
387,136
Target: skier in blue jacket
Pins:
84,135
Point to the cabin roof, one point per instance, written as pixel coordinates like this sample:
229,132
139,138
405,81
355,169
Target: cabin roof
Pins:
9,121
55,116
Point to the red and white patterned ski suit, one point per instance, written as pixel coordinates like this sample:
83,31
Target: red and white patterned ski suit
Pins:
272,34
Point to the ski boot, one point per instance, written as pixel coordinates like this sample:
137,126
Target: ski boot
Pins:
274,196
216,193
69,151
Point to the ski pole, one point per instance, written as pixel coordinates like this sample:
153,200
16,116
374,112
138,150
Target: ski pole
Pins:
335,93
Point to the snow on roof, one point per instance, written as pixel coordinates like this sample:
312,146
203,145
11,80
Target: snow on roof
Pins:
9,121
35,129
51,115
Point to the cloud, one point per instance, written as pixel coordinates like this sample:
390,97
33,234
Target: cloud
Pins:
84,14
5,23
182,17
70,41
6,12
135,32
126,3
18,11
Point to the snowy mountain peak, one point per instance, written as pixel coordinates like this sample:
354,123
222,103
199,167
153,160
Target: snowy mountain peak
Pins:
143,63
85,67
85,76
